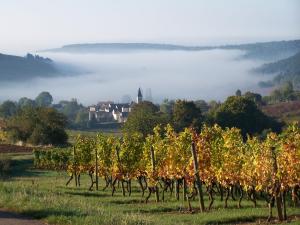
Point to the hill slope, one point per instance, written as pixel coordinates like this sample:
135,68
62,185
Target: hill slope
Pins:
275,50
285,111
22,68
288,65
287,70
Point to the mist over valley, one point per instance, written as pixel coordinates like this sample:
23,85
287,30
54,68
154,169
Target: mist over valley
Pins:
202,74
107,71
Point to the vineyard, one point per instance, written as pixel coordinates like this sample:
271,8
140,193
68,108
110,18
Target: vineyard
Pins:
186,165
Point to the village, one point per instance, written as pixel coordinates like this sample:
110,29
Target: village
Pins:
108,111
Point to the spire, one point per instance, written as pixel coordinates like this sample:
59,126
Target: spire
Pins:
139,98
140,93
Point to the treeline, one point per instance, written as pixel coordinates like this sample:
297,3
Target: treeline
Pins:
26,118
36,126
241,111
33,122
283,93
76,114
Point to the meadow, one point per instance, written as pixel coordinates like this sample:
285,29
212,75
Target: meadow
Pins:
42,194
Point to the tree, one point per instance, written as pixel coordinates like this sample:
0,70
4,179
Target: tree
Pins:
202,105
167,106
213,105
287,91
255,97
143,118
76,113
284,93
26,102
186,114
71,108
8,109
38,126
238,92
276,96
82,118
44,99
240,112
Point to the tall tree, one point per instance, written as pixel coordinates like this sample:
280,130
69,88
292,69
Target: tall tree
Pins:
186,114
44,99
143,118
243,113
8,109
238,92
26,102
202,105
255,97
167,106
38,126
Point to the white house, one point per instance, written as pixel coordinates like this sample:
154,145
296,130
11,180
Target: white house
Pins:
107,111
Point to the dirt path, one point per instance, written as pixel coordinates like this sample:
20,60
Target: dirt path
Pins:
9,218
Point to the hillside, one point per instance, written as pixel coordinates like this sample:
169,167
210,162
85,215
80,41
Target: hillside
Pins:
287,70
275,50
286,111
266,50
22,68
288,65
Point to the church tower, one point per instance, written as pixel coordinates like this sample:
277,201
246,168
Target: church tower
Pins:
139,98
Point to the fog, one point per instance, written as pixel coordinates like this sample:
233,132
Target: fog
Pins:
208,75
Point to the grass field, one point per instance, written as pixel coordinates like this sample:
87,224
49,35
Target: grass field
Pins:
43,195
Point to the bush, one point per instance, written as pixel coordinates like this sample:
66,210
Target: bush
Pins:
38,126
5,165
243,113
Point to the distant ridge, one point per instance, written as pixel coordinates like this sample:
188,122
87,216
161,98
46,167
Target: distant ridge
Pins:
274,50
286,70
22,68
99,47
288,65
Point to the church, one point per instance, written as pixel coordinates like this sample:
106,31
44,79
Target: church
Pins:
109,111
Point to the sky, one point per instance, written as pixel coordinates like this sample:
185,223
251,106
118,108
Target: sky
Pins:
30,25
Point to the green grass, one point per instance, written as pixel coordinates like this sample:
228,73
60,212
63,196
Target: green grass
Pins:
43,195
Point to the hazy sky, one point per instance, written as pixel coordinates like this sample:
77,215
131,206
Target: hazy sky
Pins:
28,25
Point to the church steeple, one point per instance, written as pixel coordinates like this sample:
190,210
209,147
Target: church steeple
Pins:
139,98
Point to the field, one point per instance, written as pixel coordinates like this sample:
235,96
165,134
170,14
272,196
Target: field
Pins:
6,148
285,111
43,195
72,134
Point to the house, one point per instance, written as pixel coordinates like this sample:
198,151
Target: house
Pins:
109,111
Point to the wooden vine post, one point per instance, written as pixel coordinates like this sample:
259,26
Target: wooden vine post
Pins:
184,191
96,169
277,193
75,165
119,162
198,181
153,171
